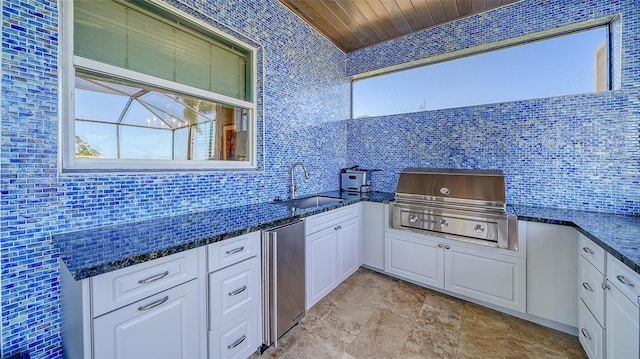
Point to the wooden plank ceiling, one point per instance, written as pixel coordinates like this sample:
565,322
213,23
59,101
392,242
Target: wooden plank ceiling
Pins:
354,24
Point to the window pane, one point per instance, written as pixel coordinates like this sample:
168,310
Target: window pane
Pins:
558,66
203,141
100,31
133,38
144,52
99,106
145,143
193,60
153,123
181,144
96,140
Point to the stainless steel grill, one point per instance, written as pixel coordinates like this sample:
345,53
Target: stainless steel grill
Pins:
467,205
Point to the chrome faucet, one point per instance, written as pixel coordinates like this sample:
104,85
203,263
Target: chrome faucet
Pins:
293,178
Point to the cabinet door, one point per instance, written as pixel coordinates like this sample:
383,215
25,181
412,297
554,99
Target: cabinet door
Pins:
622,325
348,242
161,326
320,253
552,272
493,278
415,258
373,235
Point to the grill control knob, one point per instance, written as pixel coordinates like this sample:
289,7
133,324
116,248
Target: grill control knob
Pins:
413,218
444,191
479,228
444,223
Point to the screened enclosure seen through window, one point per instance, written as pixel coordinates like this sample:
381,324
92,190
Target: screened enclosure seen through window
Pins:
117,119
569,64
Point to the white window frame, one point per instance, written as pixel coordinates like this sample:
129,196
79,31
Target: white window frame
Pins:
69,63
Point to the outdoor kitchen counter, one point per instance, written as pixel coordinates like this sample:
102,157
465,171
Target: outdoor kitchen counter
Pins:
91,252
617,234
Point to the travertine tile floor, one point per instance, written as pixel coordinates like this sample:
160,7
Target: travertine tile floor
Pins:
371,315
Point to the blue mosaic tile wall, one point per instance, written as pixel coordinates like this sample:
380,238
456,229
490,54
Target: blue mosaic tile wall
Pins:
304,100
578,151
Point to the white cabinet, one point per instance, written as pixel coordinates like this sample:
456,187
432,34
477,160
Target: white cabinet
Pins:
622,325
474,271
333,250
621,316
552,271
234,297
490,277
373,223
591,298
321,268
348,251
415,257
152,309
164,325
590,289
590,333
608,298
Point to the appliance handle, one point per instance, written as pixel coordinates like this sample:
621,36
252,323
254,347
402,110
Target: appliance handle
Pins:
273,240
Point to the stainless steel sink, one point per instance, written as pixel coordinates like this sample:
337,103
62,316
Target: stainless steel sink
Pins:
308,202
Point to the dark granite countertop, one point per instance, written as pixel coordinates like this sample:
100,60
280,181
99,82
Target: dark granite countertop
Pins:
95,251
618,234
92,252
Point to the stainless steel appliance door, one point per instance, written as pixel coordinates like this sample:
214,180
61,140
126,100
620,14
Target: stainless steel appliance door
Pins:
286,278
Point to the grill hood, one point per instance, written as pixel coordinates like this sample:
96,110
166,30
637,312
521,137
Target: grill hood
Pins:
472,187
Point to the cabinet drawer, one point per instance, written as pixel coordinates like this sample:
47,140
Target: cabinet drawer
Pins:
116,289
590,289
328,219
237,339
229,251
234,290
592,252
590,332
624,278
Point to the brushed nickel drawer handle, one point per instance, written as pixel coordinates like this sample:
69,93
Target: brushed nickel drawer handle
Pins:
233,251
587,286
624,281
585,333
588,250
153,278
237,342
154,304
238,291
